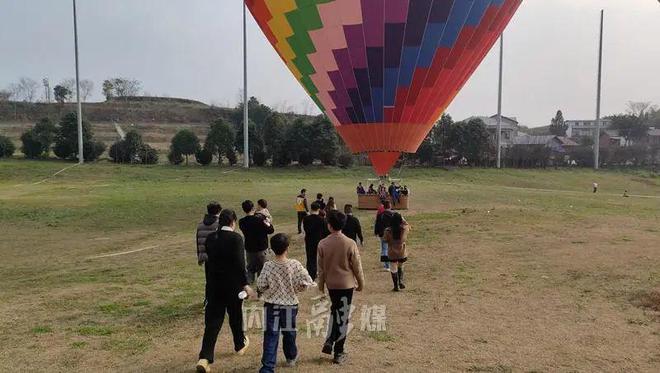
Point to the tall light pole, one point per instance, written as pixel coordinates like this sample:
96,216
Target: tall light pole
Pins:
600,75
46,84
499,105
246,129
81,158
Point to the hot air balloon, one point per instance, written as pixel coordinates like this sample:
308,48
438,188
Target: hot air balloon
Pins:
383,71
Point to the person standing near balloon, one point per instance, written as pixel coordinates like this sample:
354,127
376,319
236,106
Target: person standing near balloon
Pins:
255,229
314,227
282,278
331,206
396,236
360,189
383,221
340,271
226,278
301,208
352,229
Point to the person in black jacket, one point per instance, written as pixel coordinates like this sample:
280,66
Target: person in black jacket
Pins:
208,225
315,228
383,221
352,228
255,230
226,279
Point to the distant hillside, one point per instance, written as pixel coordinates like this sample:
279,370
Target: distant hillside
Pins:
132,109
156,118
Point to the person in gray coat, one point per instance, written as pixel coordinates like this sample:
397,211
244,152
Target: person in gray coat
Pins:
208,225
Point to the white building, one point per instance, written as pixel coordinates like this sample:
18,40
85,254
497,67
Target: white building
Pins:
584,128
510,128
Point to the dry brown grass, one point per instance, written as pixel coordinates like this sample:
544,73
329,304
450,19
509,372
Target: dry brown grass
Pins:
501,279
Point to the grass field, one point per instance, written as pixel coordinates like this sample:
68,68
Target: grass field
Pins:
511,271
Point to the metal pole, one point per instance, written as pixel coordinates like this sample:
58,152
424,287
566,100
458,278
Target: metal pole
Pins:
499,106
246,129
600,75
81,158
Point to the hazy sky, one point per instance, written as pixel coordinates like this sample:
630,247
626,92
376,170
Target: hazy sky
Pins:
192,48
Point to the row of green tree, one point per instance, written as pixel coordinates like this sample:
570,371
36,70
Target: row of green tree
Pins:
275,140
61,139
456,143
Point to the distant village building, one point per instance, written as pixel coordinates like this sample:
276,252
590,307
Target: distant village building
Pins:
584,128
612,138
510,128
557,144
654,136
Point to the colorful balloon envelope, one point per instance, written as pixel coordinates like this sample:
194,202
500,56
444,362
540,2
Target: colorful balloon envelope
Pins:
383,71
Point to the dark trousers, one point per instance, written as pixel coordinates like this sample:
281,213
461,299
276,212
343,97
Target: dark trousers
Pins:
255,263
301,216
278,319
214,316
311,250
340,309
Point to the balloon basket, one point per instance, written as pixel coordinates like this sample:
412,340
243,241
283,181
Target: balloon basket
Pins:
372,202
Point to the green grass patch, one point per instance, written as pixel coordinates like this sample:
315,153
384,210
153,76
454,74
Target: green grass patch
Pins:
381,336
41,329
95,330
79,344
114,309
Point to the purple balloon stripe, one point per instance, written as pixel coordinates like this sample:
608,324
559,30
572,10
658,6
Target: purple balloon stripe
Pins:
343,59
373,12
339,96
355,42
396,11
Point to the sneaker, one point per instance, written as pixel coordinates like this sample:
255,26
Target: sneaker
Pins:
241,352
291,363
203,366
327,348
340,358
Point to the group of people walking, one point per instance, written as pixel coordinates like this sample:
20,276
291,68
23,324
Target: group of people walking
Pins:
236,268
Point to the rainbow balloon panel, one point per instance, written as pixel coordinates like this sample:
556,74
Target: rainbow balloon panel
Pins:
383,71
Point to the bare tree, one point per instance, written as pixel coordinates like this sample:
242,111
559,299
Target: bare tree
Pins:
639,109
70,85
26,89
5,94
126,87
86,88
108,89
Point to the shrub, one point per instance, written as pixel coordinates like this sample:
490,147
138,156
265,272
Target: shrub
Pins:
185,143
32,146
92,150
7,147
133,150
118,154
259,158
148,155
175,157
66,140
345,160
231,157
38,140
204,156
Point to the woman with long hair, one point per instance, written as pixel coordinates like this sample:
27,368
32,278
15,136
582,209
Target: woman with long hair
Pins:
331,205
396,236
